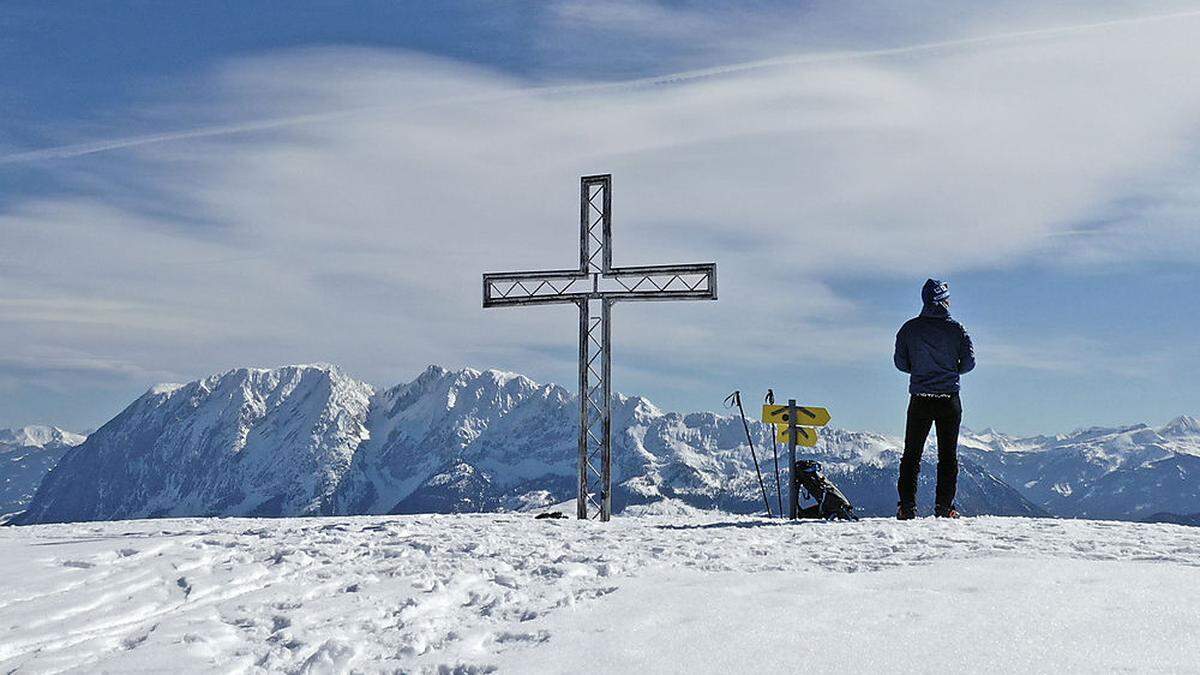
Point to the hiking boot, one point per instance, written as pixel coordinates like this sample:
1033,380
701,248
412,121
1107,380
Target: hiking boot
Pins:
945,512
906,512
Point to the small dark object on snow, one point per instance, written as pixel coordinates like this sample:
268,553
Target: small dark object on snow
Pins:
550,515
905,512
831,503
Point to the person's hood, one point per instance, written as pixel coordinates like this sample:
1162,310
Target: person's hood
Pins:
934,295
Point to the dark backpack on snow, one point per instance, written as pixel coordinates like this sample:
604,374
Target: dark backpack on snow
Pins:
831,503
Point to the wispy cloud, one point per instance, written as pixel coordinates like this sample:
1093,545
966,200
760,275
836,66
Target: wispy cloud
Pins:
627,14
350,222
94,147
1076,356
44,363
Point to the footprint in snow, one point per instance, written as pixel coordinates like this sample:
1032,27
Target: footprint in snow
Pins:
134,641
522,638
465,669
507,581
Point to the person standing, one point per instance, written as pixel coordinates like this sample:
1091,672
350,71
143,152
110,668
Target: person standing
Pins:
934,350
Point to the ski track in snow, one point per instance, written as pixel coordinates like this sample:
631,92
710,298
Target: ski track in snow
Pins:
440,593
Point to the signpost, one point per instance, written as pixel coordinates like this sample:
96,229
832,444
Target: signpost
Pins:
803,436
807,415
593,287
796,426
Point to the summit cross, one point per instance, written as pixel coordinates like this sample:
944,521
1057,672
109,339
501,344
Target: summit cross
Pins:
593,287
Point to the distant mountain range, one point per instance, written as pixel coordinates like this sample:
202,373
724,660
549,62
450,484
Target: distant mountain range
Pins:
1127,473
308,440
1177,519
27,454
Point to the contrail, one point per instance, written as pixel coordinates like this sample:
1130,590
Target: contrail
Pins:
81,149
805,59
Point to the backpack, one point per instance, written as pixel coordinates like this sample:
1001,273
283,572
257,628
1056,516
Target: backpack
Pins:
831,503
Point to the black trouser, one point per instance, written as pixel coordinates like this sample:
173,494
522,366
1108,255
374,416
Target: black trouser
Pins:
924,412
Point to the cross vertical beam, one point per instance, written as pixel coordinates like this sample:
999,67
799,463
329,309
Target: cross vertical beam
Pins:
595,418
595,353
595,224
594,287
606,445
585,330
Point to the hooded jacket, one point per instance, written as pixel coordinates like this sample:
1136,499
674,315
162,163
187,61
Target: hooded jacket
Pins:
934,349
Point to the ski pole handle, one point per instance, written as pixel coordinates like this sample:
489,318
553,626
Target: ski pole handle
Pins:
734,399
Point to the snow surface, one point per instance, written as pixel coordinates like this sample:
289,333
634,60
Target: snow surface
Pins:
689,593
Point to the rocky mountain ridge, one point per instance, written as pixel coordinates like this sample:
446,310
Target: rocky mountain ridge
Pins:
303,440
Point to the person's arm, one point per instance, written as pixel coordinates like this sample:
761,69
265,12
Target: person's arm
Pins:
901,355
966,352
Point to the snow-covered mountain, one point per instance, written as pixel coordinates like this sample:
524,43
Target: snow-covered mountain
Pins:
247,442
310,440
37,436
1127,473
462,441
26,455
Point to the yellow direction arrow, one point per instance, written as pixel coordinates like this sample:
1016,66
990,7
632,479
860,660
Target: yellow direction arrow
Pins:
807,416
805,437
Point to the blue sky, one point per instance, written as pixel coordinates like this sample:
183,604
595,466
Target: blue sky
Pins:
190,187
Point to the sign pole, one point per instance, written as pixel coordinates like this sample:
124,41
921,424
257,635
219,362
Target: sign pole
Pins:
793,496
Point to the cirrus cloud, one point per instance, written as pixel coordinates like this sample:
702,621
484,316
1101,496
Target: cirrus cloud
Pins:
348,217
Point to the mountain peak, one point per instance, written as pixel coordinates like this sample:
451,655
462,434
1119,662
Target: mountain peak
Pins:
39,436
266,379
164,388
638,406
249,441
495,375
433,370
503,377
320,366
466,377
1184,425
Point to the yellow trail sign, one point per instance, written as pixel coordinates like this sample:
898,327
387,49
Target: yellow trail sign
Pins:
805,437
806,415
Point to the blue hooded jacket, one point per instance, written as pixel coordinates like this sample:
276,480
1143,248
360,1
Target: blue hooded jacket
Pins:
934,348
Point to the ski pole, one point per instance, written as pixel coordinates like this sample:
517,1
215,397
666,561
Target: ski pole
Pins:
736,397
770,400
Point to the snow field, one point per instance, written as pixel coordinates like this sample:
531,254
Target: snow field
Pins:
962,616
698,593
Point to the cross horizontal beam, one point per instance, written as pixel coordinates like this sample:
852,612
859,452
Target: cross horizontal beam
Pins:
696,281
